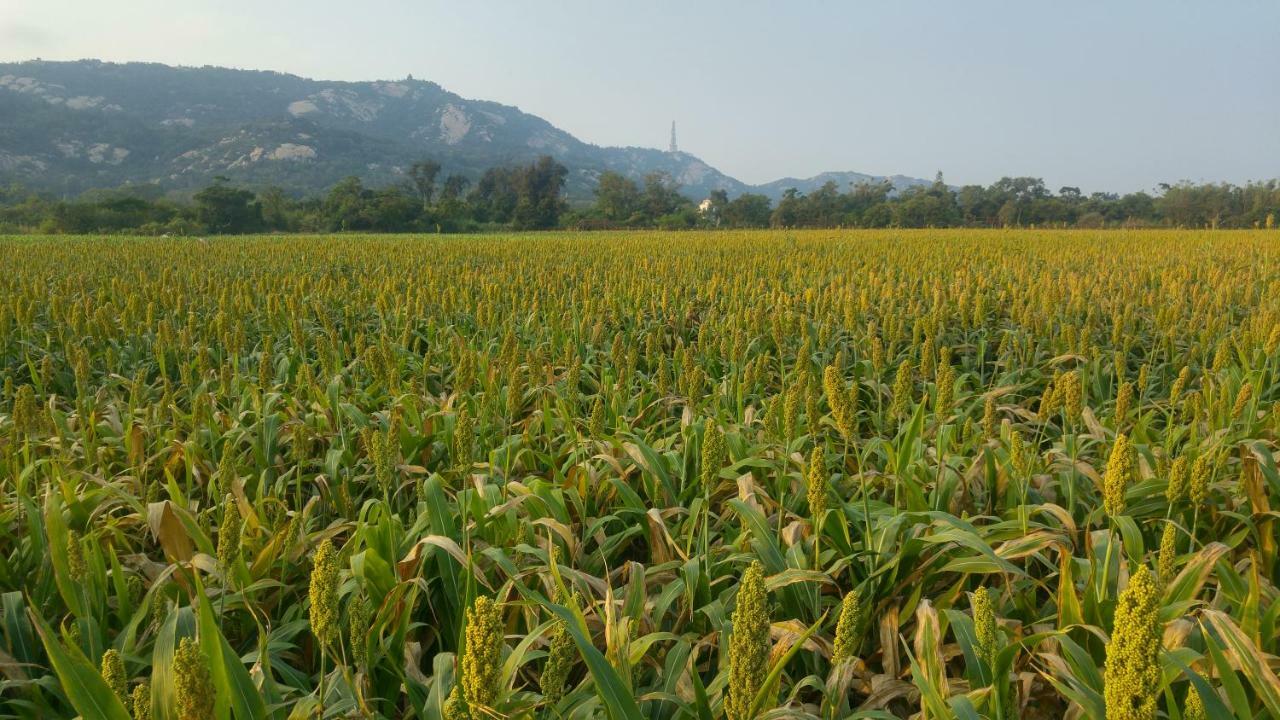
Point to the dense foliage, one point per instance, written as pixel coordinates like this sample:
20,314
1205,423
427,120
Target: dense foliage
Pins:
641,475
530,197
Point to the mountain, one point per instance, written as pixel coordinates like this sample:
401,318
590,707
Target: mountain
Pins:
70,126
843,181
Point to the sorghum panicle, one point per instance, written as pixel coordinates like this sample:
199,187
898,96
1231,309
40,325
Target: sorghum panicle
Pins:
749,644
1132,672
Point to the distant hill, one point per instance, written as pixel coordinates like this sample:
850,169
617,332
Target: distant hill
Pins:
843,181
70,126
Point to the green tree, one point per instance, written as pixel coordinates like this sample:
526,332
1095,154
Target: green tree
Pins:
224,209
617,198
538,202
748,210
422,175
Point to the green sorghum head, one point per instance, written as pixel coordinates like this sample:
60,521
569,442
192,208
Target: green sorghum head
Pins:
749,644
984,625
1179,477
817,483
359,623
1168,552
1119,475
113,672
75,557
847,639
1132,672
840,400
324,594
1201,471
140,701
229,534
560,657
713,452
192,682
463,435
596,423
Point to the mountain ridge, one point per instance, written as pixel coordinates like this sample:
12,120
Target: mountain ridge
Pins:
70,126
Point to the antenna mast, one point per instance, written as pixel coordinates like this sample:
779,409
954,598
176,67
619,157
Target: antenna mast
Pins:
673,138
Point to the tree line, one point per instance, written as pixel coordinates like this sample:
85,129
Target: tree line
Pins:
531,197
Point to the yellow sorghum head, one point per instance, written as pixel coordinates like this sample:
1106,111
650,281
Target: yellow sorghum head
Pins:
1168,552
1132,673
1222,356
846,644
480,667
713,450
1073,389
113,672
946,384
1273,340
193,684
901,390
1018,456
1179,474
1180,384
1144,377
1192,406
989,429
840,400
1124,399
1200,473
984,625
1242,401
455,708
1048,401
140,701
324,594
749,644
817,482
1194,709
559,662
1119,475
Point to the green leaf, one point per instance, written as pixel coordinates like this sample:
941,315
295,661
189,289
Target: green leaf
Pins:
618,701
229,674
88,692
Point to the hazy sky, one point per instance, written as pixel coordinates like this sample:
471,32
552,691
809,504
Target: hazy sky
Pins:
1103,95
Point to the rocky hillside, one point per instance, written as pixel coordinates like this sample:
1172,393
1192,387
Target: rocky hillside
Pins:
70,126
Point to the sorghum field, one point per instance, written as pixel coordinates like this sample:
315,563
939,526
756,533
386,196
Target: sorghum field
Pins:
934,474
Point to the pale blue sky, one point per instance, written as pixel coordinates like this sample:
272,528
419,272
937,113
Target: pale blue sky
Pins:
1104,95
